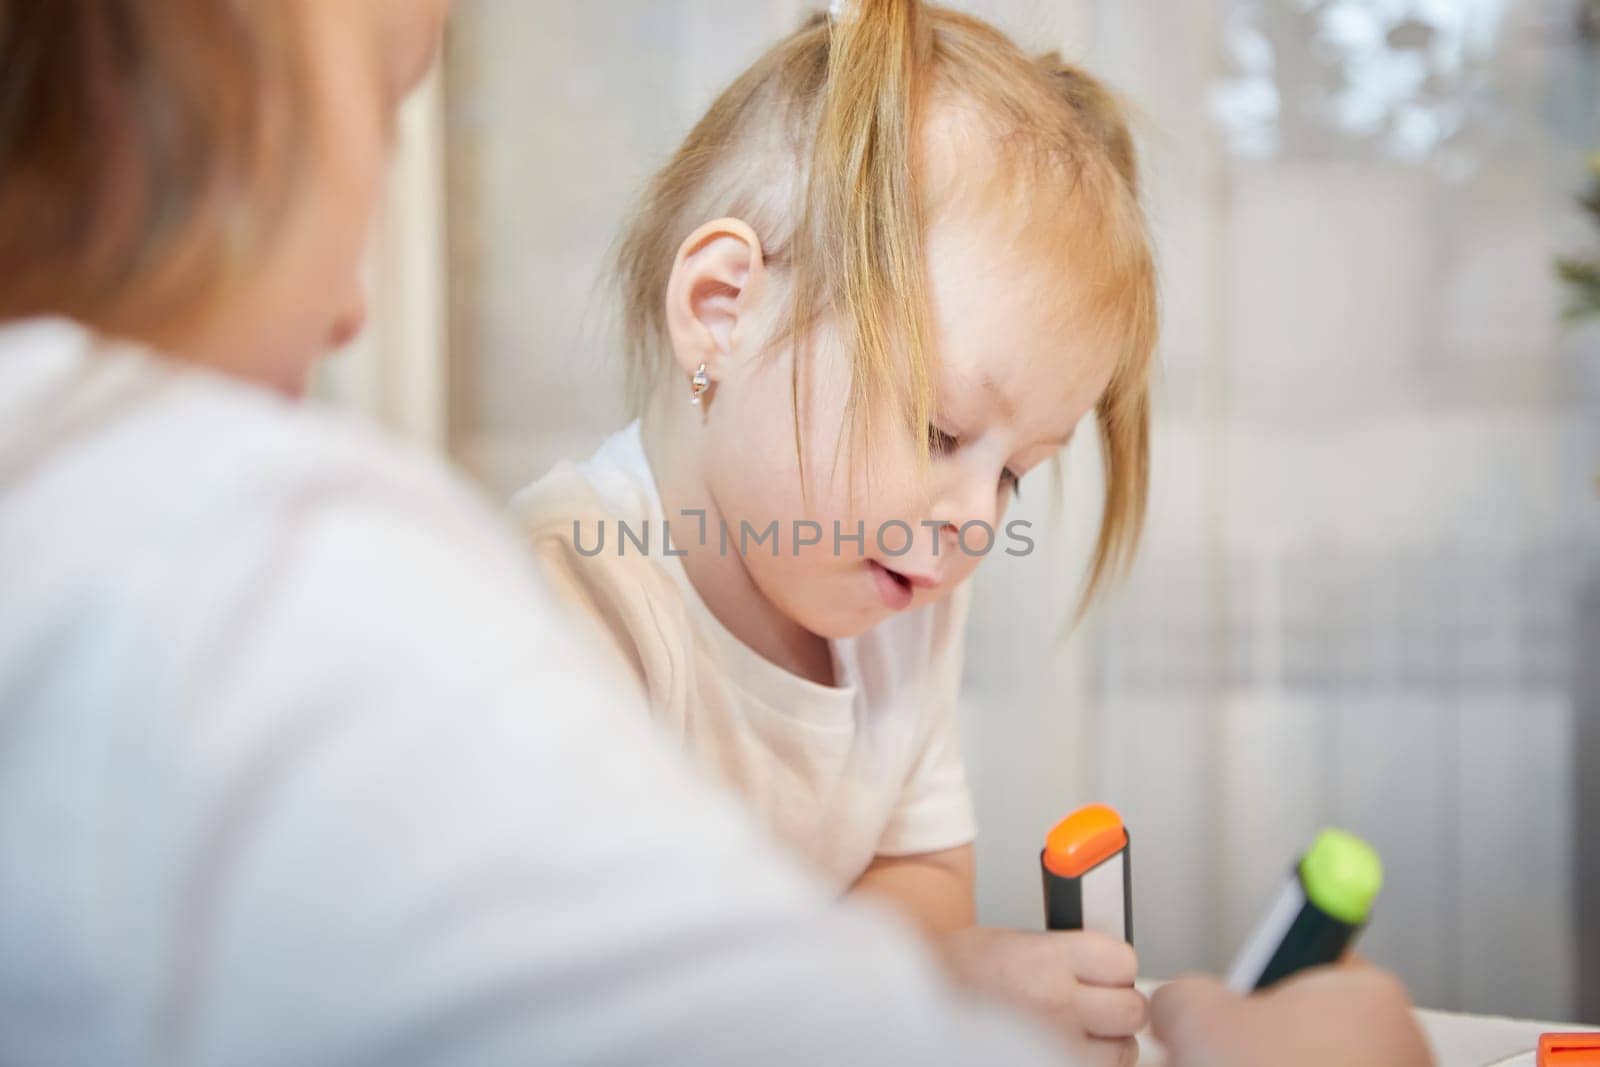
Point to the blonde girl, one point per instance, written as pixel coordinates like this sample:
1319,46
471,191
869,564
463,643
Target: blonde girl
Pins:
889,273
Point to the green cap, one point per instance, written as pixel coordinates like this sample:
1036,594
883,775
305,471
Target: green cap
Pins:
1342,875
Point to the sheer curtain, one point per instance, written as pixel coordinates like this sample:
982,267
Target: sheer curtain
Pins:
1374,511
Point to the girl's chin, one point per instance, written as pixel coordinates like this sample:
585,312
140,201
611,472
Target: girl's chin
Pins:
849,607
297,381
835,624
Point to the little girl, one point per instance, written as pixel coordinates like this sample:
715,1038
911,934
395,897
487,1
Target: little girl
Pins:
886,276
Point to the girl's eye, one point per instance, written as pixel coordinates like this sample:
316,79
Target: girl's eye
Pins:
941,443
1009,479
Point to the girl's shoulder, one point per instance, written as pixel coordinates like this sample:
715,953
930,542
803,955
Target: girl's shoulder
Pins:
547,509
572,526
614,485
571,520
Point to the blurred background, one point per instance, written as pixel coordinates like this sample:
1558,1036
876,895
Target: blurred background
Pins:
1369,593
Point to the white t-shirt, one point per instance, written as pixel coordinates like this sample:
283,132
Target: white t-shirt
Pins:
298,765
870,767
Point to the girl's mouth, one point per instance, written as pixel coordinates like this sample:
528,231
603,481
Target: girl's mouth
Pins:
894,588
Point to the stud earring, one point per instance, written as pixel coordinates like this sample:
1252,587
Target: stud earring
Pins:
699,382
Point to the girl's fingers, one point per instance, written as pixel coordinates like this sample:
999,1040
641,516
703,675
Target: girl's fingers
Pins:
1184,1008
1099,960
1111,1013
1120,1053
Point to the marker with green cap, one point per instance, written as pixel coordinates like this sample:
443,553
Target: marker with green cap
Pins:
1316,916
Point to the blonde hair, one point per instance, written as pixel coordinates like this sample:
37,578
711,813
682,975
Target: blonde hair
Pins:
816,147
146,146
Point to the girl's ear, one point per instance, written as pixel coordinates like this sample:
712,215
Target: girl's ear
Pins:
713,291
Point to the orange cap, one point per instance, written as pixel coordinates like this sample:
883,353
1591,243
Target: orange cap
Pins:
1084,840
1569,1050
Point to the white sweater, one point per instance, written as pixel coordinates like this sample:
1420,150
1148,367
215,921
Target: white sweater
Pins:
298,767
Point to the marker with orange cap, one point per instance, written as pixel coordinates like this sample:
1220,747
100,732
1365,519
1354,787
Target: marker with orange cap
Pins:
1317,915
1088,882
1569,1050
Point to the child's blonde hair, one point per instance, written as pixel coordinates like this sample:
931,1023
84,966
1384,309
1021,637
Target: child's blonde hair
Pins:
816,147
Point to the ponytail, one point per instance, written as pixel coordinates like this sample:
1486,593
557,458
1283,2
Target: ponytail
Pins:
864,227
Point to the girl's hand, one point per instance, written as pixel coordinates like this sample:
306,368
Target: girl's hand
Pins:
1327,1017
1079,983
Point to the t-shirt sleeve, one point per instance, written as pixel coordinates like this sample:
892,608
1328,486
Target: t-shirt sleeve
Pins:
935,809
423,829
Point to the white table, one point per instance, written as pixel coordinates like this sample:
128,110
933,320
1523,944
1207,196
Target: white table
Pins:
1457,1040
1480,1040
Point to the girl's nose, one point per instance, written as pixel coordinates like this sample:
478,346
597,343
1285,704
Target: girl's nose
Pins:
967,498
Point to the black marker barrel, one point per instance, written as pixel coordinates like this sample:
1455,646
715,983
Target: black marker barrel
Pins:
1088,882
1316,916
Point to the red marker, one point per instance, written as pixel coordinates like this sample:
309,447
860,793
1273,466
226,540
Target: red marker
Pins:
1088,883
